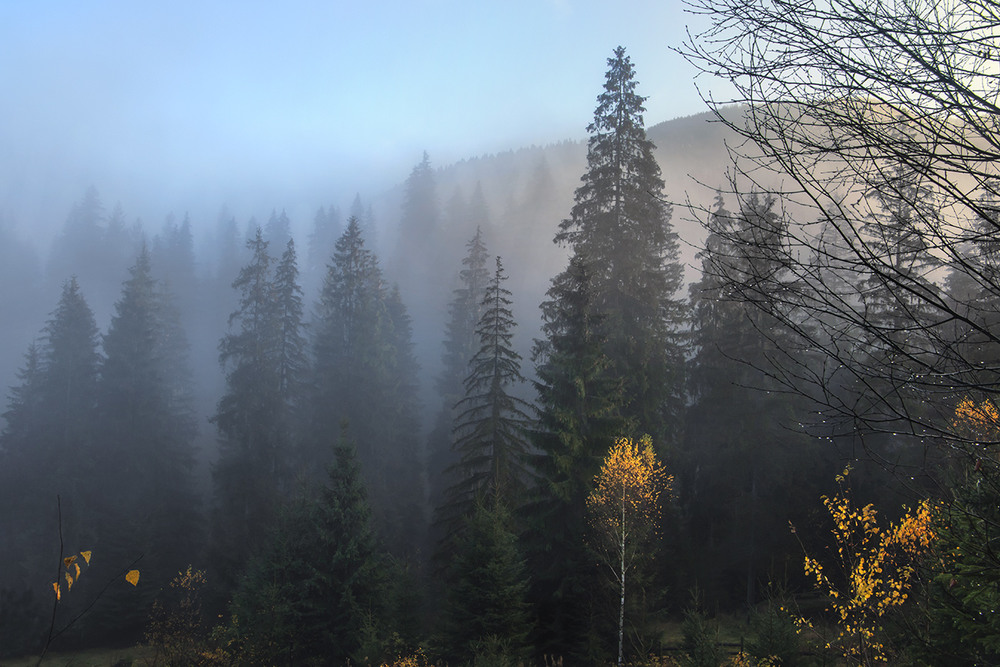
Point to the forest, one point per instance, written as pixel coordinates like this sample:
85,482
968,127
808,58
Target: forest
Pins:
565,416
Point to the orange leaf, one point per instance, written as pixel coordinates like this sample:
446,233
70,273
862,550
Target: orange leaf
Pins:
132,577
86,556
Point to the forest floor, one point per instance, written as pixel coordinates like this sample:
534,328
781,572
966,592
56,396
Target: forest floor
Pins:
89,658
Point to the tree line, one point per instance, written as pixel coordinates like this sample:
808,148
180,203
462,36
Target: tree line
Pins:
334,530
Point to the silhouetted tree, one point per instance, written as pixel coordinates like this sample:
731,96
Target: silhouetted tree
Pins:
621,227
492,422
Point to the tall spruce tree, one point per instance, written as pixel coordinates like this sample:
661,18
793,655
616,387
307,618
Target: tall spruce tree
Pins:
621,226
307,596
364,372
743,463
145,430
460,345
491,429
253,469
48,448
579,415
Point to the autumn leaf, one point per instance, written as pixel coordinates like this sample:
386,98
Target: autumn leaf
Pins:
86,556
69,560
132,577
69,581
55,587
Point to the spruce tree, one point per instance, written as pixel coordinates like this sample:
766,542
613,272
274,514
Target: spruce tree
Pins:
579,405
461,344
744,463
486,615
492,424
307,597
144,450
621,227
252,472
365,373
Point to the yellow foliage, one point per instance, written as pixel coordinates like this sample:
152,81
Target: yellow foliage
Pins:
980,422
877,566
132,577
72,572
629,484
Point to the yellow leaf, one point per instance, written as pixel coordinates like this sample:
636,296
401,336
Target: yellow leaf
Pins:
86,556
132,577
55,587
69,581
77,565
69,560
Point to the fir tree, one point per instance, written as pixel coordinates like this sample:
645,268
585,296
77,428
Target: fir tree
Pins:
144,449
307,596
579,415
486,615
491,427
365,373
252,471
461,343
621,227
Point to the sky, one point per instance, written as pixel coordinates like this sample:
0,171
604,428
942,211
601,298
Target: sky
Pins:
164,106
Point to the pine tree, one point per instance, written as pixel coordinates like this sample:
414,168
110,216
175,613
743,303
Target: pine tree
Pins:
47,446
307,596
365,373
486,615
491,427
417,247
579,415
291,351
144,449
252,471
621,227
278,231
461,344
744,464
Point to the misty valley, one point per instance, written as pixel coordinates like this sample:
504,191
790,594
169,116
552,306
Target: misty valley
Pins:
618,401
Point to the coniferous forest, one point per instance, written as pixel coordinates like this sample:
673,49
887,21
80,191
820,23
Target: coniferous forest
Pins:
551,407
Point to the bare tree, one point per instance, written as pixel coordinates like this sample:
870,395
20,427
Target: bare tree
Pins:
875,123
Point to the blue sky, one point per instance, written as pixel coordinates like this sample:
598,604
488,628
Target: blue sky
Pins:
156,102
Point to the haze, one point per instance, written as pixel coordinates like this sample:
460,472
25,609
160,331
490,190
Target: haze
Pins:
191,106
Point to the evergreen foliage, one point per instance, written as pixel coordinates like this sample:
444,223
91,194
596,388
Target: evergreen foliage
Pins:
486,606
303,600
364,372
579,415
491,427
620,227
461,344
262,355
143,450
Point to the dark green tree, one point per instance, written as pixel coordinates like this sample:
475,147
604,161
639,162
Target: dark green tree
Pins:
491,428
579,405
743,462
621,226
460,345
486,615
319,580
364,373
291,353
253,472
143,451
47,448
